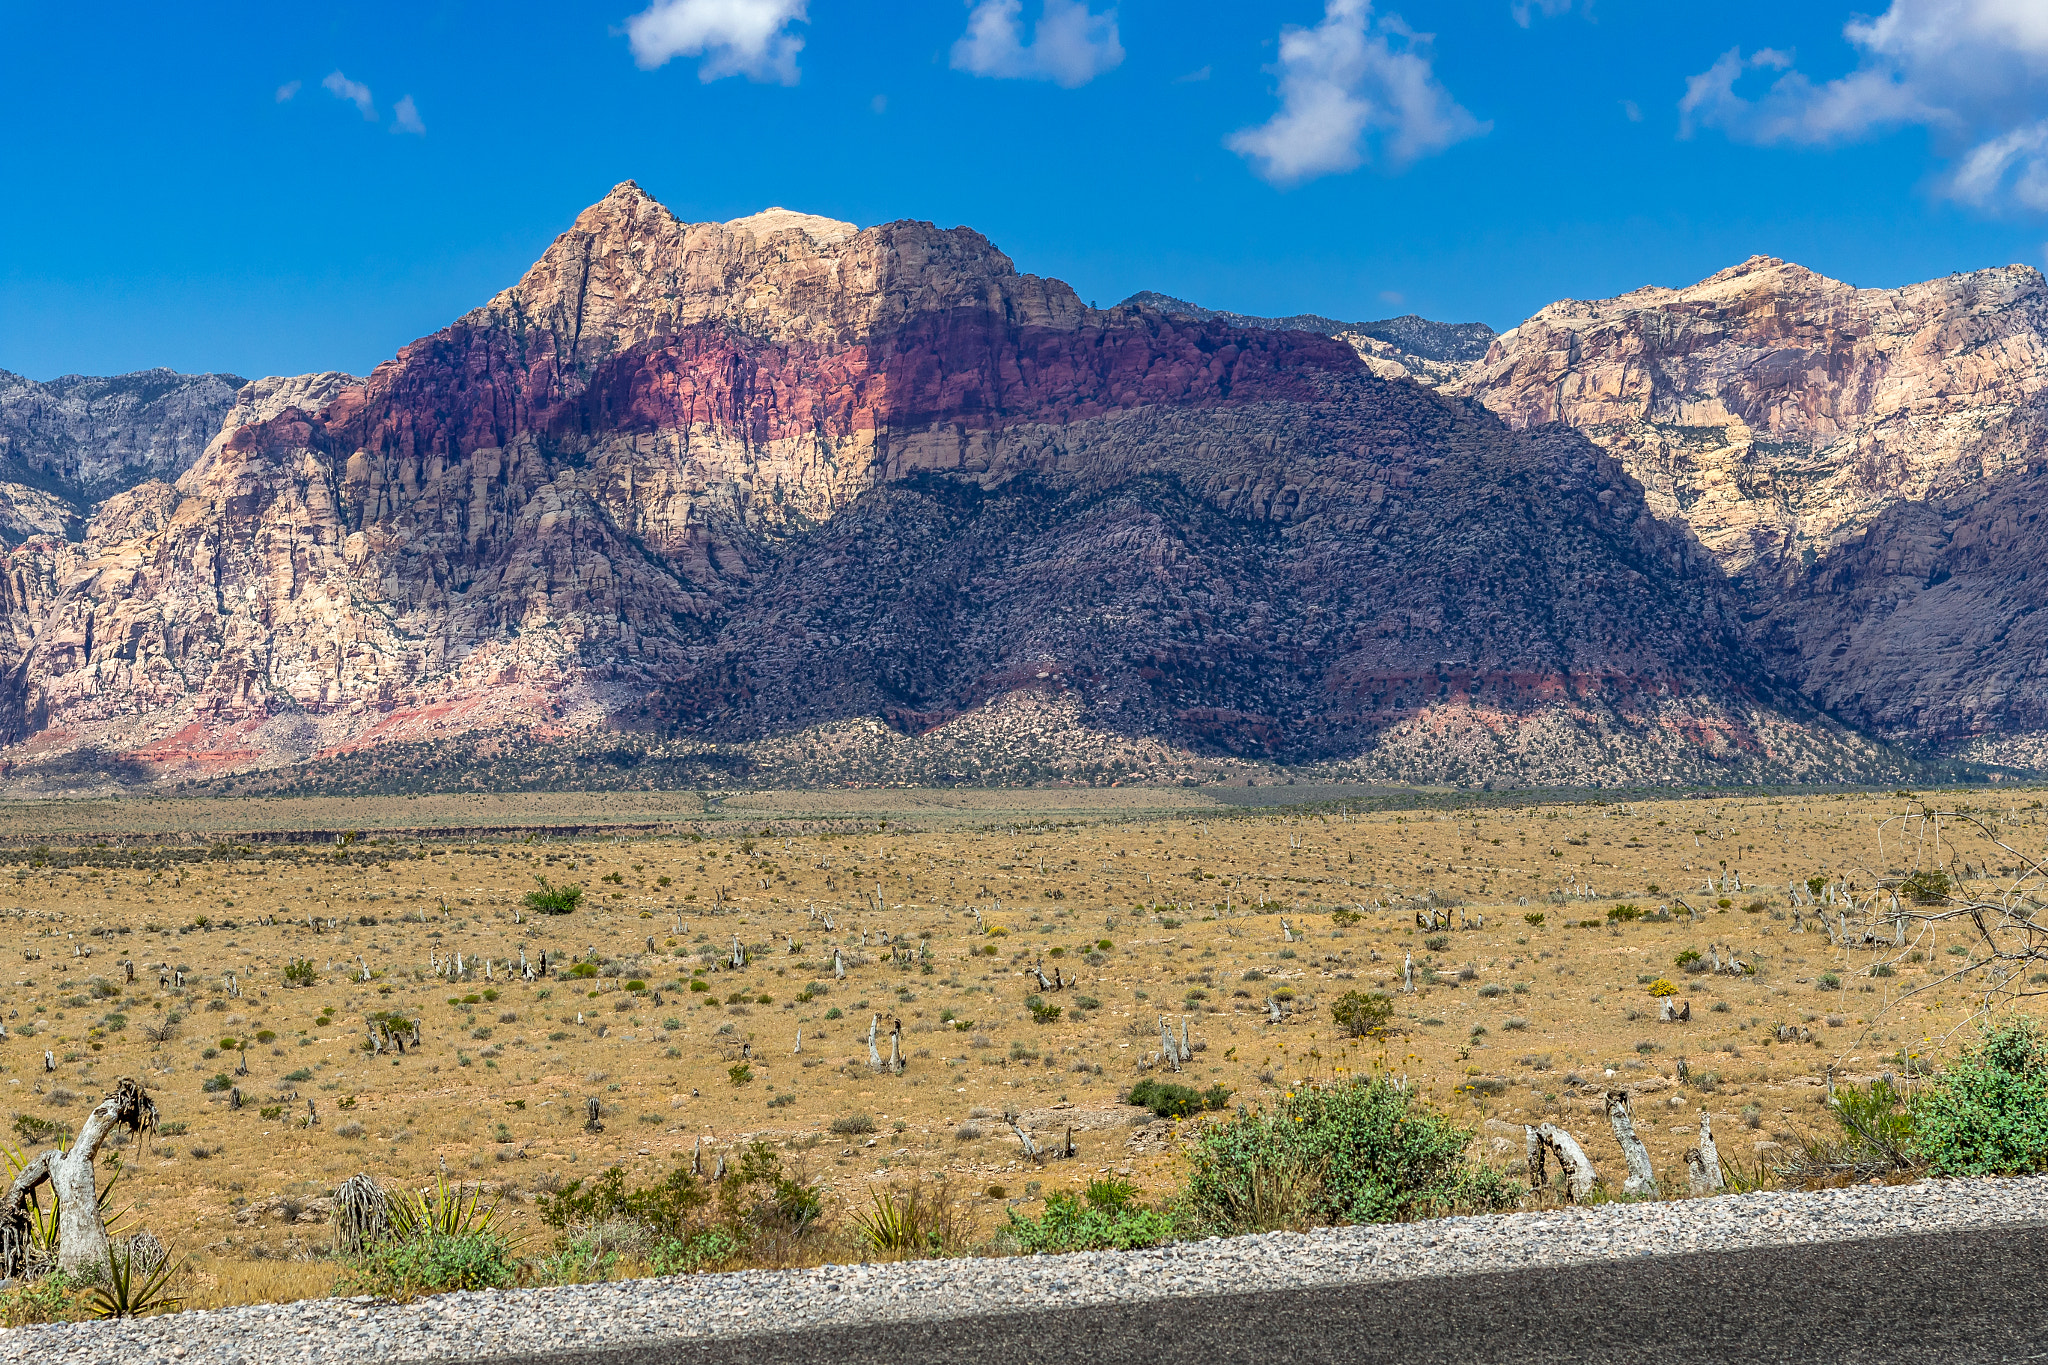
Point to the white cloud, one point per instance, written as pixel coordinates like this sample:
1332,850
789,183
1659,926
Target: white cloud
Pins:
406,118
1348,80
287,90
1973,72
355,92
1069,47
1524,10
748,38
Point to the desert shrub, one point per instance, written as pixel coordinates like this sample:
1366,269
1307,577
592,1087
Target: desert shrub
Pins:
1041,1011
1929,886
1170,1101
1101,1218
434,1263
1874,1135
677,1223
1624,913
1436,943
1353,1152
668,1209
1663,986
1828,981
553,900
300,972
851,1124
1987,1112
37,1131
1534,919
1362,1013
50,1298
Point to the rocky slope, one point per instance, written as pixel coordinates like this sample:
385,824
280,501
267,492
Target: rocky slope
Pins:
1860,461
67,444
749,483
1407,347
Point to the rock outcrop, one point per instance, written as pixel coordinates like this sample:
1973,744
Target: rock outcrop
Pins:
1861,462
66,444
747,481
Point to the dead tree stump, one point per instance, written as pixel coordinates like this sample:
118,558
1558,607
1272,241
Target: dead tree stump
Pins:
1710,1157
1642,1177
81,1234
1571,1157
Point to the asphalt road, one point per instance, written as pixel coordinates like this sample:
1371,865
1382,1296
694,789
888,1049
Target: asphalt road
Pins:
1951,1298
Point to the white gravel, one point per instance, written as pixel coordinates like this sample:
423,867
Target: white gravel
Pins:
524,1321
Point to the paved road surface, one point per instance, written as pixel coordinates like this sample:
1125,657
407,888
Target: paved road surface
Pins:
1949,1299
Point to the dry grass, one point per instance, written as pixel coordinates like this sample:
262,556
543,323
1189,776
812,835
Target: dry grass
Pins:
1510,1023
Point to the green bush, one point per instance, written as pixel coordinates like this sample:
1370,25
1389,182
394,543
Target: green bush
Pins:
1361,1014
668,1209
50,1298
553,900
1929,886
1101,1219
1987,1113
1354,1152
435,1263
1171,1101
300,972
698,1251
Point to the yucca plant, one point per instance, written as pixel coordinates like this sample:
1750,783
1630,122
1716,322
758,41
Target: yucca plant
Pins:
132,1291
447,1212
906,1221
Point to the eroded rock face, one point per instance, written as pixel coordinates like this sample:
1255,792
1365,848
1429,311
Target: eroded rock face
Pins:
66,444
1777,412
1865,463
736,480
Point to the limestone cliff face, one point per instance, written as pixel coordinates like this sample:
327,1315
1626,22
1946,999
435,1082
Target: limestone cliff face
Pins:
735,480
1862,462
1776,412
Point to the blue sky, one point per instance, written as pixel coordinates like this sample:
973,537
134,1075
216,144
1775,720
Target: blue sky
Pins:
275,189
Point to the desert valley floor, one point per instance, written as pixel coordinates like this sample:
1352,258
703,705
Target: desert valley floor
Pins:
941,910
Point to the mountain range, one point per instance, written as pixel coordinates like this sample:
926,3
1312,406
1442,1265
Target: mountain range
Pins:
785,499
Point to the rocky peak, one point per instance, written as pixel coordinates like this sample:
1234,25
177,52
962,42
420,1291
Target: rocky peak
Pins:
765,224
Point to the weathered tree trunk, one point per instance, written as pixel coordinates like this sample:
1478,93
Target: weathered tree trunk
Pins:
1016,1124
1710,1159
1538,1165
1578,1167
1169,1051
1642,1177
81,1235
874,1054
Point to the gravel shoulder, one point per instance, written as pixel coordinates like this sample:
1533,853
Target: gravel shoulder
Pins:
522,1322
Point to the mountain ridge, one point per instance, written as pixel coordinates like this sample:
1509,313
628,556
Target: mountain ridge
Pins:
763,485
